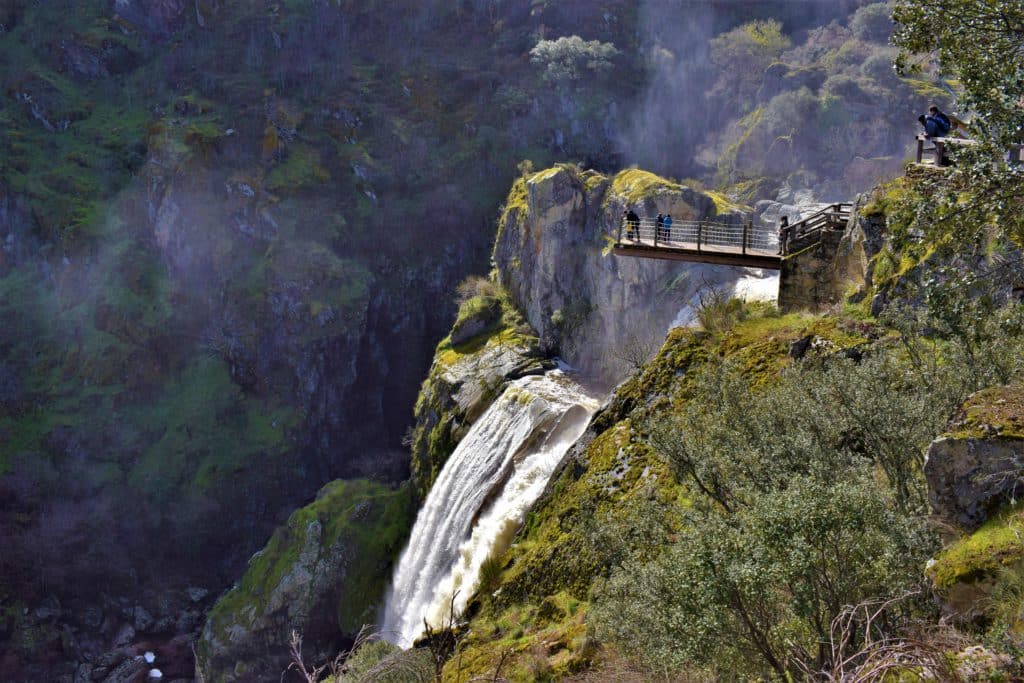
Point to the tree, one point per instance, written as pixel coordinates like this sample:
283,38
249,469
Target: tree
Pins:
873,22
981,43
742,55
755,592
570,58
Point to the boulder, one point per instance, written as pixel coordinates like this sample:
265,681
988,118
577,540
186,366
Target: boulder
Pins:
321,575
977,466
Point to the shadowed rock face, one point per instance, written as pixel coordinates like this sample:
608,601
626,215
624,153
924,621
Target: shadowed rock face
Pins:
968,478
590,307
321,575
976,468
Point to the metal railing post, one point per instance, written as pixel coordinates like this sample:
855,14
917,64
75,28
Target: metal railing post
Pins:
618,240
655,234
700,230
746,232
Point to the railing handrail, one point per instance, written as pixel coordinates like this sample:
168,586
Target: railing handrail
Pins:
704,235
819,220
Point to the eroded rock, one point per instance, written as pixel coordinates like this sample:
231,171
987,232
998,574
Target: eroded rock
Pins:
321,575
588,306
977,466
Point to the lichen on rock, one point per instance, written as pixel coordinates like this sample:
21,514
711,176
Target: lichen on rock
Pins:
589,306
321,575
976,466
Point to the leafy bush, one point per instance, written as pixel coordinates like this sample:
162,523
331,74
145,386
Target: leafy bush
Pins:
806,497
742,55
873,23
717,310
570,57
477,286
378,661
879,67
755,592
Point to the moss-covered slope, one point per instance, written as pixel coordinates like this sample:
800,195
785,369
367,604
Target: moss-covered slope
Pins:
531,619
323,575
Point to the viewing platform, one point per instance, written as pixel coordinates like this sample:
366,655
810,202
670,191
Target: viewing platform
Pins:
1015,153
732,244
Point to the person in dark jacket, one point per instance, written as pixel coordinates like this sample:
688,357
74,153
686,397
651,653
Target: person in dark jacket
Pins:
931,126
783,234
942,121
632,225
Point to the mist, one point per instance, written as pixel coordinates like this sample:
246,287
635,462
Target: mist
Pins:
675,117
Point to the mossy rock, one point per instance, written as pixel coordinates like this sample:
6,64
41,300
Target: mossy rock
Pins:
489,344
976,556
974,467
323,574
476,316
968,569
996,411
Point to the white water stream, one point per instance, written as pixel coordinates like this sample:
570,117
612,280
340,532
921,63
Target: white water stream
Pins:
481,498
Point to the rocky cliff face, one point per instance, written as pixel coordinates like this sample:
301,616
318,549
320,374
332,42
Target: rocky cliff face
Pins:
322,575
219,287
974,483
601,313
838,266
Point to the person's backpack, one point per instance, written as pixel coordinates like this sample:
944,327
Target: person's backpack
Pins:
942,124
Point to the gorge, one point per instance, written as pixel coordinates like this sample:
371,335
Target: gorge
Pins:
233,241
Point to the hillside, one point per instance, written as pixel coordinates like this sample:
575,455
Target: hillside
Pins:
232,233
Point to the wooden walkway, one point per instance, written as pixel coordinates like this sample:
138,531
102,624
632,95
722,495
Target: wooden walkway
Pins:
722,255
729,244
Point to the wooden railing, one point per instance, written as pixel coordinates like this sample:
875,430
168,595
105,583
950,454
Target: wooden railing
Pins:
1014,153
808,232
939,149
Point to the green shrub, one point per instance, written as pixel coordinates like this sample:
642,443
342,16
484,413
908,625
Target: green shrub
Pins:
754,593
804,497
378,661
873,23
490,573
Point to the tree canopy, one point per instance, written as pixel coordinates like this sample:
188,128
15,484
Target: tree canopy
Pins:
570,57
980,44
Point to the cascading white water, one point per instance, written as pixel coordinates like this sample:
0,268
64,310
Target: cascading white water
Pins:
481,497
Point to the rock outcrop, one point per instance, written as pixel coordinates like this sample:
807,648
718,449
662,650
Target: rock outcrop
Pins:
974,474
838,266
321,575
489,346
978,466
590,307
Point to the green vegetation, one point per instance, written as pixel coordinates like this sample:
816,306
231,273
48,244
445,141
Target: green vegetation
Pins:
981,554
744,53
354,529
807,106
636,185
570,58
996,411
978,43
729,479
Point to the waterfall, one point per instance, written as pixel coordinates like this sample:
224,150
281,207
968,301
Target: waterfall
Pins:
481,497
